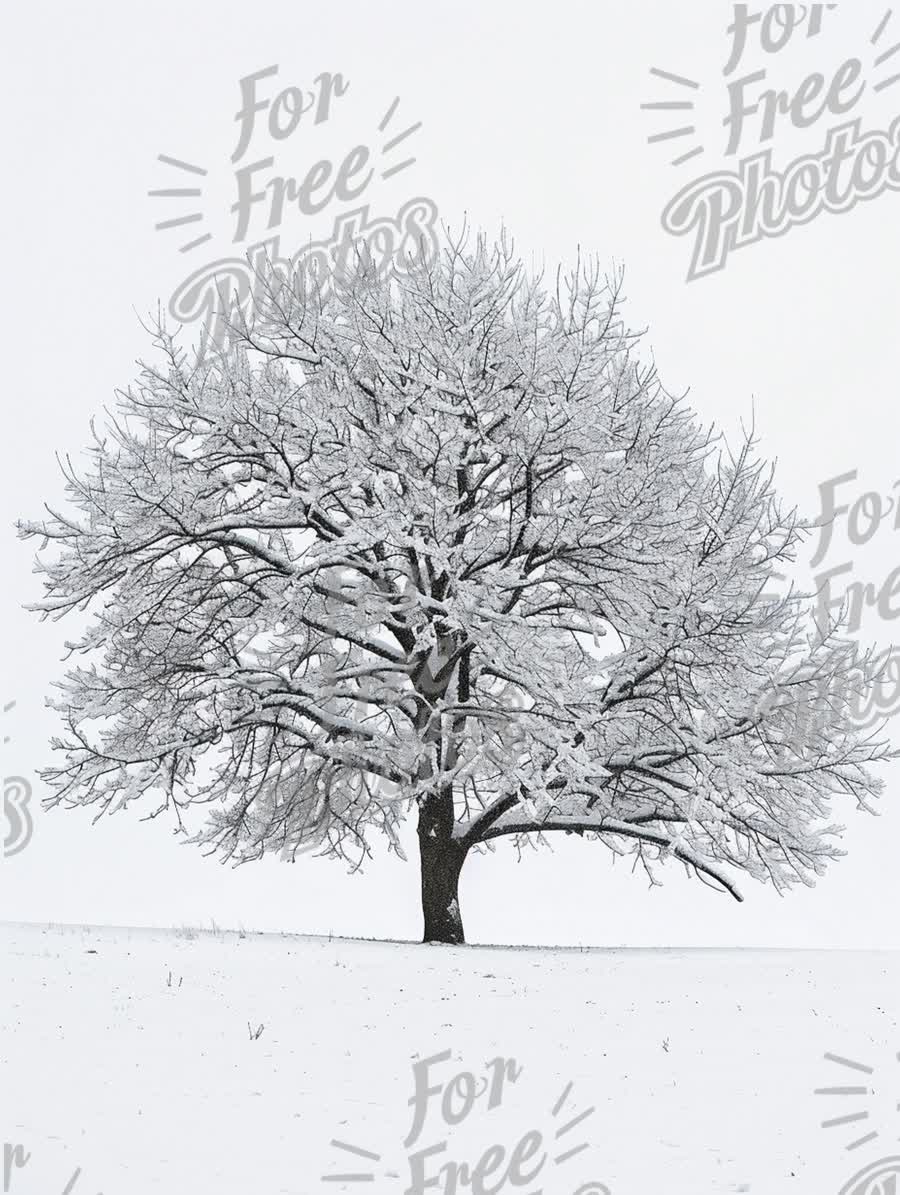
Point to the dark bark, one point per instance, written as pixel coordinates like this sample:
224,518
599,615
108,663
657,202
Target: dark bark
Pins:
442,858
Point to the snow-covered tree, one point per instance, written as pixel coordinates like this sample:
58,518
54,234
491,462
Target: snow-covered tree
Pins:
442,545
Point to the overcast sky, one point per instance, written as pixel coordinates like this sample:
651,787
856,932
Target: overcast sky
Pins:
531,116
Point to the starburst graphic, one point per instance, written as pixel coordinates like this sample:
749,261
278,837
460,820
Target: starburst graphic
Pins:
70,1185
366,1176
884,57
680,105
391,145
566,1128
858,1117
182,193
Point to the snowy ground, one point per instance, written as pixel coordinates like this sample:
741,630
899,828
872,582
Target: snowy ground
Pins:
126,1055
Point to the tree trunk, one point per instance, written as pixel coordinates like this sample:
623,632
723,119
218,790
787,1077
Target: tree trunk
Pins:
441,861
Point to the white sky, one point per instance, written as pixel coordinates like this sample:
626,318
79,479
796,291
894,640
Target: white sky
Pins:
531,116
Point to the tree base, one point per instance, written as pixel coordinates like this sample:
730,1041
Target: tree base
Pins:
442,861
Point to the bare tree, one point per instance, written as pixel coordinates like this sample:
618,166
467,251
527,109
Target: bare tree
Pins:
444,544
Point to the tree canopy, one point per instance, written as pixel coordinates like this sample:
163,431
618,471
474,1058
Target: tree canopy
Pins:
443,543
